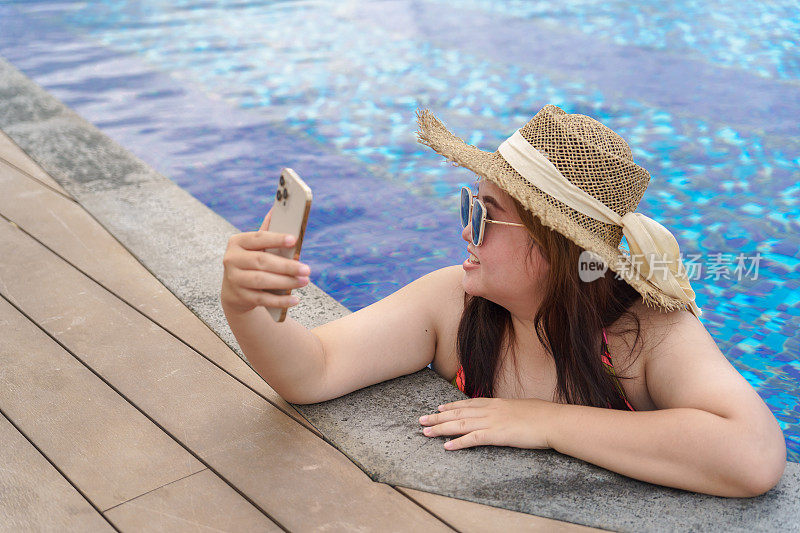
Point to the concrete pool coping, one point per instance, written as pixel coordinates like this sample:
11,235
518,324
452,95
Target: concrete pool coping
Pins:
181,242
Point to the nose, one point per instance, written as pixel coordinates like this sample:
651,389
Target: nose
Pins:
466,233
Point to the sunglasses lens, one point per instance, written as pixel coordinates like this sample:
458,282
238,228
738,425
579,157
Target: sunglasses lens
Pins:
477,217
465,197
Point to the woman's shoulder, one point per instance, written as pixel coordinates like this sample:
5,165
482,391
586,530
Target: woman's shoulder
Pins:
653,325
658,325
446,306
446,298
669,332
632,341
444,288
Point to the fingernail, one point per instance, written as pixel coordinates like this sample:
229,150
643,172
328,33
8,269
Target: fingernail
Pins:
426,431
304,270
302,279
294,299
423,419
289,240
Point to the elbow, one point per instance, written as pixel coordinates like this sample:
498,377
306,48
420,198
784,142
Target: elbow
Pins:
768,480
768,467
291,389
299,399
295,399
299,395
765,482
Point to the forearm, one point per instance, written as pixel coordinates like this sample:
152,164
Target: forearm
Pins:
286,354
683,448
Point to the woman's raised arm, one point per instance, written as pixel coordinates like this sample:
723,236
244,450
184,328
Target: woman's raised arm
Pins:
390,338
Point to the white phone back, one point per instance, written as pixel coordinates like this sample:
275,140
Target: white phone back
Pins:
289,215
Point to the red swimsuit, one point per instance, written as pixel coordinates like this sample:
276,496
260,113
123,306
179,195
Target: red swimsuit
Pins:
458,381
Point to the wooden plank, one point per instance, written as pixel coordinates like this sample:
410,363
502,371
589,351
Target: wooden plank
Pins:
107,448
34,496
295,477
199,501
65,227
471,517
16,157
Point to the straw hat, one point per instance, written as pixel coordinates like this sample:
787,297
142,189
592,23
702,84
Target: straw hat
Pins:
578,177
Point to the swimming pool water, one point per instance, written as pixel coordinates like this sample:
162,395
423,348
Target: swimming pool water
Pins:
220,95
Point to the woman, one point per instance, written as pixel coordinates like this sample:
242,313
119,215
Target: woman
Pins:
610,366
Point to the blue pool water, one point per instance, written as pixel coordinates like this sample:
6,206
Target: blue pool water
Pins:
220,95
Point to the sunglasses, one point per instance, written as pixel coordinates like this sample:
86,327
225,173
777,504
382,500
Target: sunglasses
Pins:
474,212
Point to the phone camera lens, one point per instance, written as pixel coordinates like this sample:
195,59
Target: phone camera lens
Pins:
278,195
283,182
285,194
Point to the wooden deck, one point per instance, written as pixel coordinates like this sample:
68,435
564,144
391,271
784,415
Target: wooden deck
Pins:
121,410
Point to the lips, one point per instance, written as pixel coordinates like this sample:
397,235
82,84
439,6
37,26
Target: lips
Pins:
473,258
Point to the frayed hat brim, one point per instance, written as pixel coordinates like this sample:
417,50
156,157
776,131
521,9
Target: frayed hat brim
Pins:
434,134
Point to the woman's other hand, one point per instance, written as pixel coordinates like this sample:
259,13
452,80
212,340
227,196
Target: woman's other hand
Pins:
492,421
249,271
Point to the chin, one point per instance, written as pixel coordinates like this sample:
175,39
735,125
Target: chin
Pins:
470,285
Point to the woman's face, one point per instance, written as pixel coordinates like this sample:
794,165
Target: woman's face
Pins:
507,274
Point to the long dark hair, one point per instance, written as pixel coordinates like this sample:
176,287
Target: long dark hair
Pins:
569,325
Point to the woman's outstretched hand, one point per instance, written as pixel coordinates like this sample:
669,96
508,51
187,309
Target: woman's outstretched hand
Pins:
521,423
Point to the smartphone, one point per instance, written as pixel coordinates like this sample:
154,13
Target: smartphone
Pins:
289,215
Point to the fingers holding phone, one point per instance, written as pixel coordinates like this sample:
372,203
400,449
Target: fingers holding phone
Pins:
250,271
261,268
